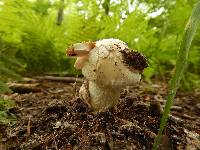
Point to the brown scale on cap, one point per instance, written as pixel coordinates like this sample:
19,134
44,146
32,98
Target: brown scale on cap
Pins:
70,51
91,44
134,59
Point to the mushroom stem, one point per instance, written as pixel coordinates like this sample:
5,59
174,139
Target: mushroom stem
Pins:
102,97
80,62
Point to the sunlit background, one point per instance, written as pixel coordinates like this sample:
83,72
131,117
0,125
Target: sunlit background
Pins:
35,33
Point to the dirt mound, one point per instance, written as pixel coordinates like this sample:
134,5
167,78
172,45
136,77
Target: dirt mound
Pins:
55,118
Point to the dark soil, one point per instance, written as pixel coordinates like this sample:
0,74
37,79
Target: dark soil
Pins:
134,59
55,118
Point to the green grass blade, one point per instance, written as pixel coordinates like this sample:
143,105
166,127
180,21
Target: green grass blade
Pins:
188,36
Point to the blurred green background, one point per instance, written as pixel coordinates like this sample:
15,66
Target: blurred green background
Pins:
35,33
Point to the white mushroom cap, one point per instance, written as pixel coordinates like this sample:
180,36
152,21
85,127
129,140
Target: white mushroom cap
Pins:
105,64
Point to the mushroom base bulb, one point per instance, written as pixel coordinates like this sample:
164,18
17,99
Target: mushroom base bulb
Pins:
108,66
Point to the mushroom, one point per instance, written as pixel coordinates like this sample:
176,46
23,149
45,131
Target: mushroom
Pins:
108,66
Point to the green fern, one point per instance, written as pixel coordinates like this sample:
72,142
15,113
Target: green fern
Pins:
8,65
5,116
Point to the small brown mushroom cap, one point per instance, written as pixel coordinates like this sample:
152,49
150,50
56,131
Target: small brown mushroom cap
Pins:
80,49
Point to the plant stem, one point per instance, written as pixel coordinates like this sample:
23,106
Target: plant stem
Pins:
60,13
188,36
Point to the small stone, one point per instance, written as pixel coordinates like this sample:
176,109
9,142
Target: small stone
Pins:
100,137
198,107
68,125
58,125
151,134
155,108
4,139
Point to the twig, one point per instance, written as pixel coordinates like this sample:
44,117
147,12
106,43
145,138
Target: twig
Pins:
60,79
185,116
29,127
24,88
175,108
182,123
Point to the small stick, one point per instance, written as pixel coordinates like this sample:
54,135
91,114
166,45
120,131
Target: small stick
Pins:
29,127
184,116
60,79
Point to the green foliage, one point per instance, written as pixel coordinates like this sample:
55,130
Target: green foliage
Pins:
3,88
8,65
31,31
35,36
188,36
5,115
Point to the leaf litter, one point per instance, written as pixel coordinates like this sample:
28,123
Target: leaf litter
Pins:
54,117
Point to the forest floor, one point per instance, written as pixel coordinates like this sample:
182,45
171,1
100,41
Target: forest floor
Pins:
51,116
